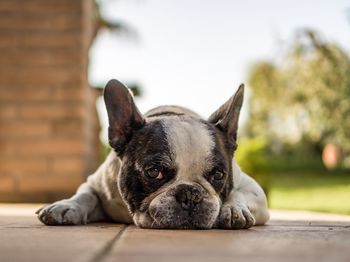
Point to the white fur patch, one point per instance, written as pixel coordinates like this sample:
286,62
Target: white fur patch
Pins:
192,144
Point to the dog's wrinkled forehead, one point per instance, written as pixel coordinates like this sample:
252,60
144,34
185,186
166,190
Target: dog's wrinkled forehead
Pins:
191,144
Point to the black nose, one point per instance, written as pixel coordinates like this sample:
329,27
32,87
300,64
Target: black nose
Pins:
188,195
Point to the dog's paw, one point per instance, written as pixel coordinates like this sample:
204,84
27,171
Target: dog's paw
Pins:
235,217
65,212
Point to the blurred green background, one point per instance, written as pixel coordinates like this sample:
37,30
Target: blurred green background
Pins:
296,140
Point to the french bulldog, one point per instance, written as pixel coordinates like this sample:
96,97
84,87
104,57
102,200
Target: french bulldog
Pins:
169,168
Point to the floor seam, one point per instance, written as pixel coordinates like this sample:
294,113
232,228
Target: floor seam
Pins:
107,248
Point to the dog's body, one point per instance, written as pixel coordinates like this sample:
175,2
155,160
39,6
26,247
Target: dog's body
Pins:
169,169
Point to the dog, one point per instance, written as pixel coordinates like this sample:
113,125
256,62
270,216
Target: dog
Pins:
169,169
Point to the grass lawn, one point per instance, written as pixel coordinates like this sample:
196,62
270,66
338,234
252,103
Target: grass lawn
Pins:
323,192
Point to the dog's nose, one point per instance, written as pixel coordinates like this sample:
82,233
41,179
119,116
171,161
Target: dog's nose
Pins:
188,195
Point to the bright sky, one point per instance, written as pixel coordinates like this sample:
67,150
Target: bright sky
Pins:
195,53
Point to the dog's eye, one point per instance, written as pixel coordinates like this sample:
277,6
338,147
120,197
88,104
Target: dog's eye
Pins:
154,173
218,175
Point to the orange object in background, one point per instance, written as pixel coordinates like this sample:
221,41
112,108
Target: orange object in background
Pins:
332,156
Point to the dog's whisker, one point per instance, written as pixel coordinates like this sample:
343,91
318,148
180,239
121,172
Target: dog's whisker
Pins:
155,219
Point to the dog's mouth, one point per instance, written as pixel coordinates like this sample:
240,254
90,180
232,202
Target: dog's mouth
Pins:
164,212
183,221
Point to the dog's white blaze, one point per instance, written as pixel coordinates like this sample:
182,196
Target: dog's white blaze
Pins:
192,144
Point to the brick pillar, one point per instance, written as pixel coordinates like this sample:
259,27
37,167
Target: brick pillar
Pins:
48,124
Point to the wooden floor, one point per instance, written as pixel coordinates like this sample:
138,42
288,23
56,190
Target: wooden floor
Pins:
289,236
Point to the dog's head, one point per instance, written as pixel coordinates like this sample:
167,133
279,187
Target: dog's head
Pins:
176,168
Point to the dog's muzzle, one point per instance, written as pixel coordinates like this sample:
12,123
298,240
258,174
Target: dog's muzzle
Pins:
182,206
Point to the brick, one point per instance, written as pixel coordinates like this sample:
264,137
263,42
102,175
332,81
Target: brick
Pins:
10,93
49,183
17,78
24,129
33,22
9,40
41,93
52,112
68,94
44,111
68,127
68,165
38,57
43,147
8,112
7,183
51,40
23,166
42,74
38,40
40,6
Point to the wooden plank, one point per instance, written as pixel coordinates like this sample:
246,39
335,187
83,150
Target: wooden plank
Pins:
26,239
268,243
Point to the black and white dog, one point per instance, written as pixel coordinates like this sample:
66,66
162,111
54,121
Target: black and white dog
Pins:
169,169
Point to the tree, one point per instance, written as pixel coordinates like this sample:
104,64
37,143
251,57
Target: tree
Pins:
306,97
113,25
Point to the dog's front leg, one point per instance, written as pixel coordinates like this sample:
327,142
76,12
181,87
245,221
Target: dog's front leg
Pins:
245,206
82,208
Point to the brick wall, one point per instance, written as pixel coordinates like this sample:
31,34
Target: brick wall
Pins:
48,121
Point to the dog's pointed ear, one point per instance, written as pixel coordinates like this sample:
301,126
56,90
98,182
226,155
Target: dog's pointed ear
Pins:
226,117
123,116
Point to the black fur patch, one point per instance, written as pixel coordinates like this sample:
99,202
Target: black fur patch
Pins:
222,161
148,148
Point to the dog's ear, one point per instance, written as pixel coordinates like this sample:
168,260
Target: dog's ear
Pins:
226,117
123,115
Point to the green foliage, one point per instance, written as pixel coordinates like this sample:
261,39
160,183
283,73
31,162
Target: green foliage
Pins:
251,157
257,159
115,26
303,98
